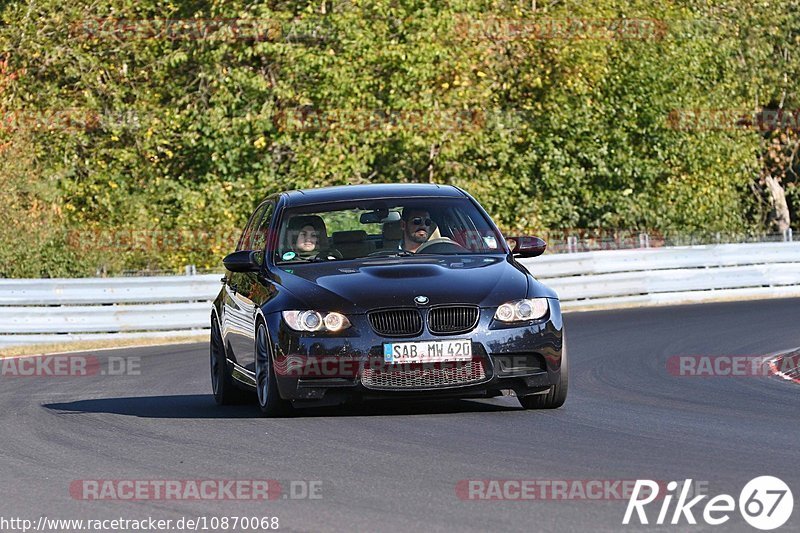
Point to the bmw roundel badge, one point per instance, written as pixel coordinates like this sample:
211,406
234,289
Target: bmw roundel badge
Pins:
421,300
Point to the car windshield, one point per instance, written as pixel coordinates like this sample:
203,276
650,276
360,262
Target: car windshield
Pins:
381,228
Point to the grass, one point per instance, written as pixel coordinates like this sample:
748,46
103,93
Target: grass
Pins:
107,344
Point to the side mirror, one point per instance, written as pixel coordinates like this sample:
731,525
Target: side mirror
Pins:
524,246
243,261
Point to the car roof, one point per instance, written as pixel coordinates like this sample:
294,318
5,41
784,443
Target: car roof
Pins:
369,192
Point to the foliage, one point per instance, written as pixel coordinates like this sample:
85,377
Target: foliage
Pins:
122,149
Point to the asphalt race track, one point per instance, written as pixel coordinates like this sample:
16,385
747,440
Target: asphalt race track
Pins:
395,466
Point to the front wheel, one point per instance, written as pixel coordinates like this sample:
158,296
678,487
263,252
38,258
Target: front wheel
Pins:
269,399
225,392
557,395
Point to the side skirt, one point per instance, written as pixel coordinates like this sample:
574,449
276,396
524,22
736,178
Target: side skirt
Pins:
242,375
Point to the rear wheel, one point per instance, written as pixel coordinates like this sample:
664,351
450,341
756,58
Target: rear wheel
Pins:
225,392
557,395
269,399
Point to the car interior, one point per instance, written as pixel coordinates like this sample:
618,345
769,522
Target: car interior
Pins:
364,231
357,243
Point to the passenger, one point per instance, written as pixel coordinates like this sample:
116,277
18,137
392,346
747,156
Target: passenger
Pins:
307,243
307,236
416,224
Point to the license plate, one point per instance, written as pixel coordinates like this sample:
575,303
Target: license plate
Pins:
427,351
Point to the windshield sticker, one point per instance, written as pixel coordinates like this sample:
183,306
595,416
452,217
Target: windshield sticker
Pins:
288,256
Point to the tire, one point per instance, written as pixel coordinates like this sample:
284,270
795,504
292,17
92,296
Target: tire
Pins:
222,386
557,395
269,399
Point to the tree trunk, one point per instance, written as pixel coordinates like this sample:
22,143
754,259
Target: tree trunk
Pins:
432,160
779,214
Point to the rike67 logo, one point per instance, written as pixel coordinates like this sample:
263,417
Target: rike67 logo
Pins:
765,503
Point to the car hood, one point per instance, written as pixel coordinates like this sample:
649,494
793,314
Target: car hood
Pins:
357,287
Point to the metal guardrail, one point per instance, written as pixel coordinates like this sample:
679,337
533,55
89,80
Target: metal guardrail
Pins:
61,310
658,276
44,311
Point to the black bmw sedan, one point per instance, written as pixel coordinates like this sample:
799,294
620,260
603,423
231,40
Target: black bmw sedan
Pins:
383,291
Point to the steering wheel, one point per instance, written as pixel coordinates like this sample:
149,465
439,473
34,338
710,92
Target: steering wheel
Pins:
442,242
329,254
385,253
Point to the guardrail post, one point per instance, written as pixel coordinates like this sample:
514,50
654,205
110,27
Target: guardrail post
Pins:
191,270
787,235
572,244
644,240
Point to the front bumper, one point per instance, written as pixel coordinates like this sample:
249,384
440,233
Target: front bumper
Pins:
325,369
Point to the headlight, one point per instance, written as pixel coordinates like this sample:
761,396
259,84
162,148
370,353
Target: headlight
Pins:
315,321
522,310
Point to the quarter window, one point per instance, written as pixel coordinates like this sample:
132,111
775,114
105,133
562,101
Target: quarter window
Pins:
258,238
245,242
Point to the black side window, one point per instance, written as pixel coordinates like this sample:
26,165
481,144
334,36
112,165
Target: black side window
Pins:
245,240
260,233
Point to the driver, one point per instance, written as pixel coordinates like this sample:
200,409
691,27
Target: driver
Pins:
416,224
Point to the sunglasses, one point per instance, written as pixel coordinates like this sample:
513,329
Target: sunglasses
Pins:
419,221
